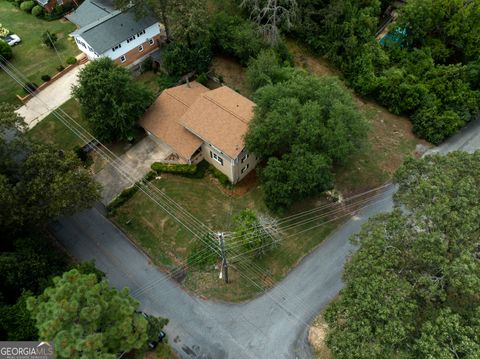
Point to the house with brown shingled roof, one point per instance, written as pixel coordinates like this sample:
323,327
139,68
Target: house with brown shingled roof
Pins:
198,123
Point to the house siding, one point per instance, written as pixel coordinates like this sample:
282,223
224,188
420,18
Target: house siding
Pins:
129,50
226,169
251,161
135,54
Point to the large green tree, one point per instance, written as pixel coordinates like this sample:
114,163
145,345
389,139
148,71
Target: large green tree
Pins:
37,182
110,99
411,290
87,318
301,127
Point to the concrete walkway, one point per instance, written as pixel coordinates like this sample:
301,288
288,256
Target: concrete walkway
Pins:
136,162
54,95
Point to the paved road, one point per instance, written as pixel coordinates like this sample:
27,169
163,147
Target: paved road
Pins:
272,326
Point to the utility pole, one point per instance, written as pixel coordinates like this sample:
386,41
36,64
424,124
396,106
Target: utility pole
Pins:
224,268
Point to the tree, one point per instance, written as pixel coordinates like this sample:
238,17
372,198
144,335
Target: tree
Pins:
87,318
160,8
266,69
179,59
111,101
304,124
49,39
254,236
38,182
411,290
270,15
235,36
5,51
189,22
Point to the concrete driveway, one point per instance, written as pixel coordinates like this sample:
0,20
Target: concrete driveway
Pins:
54,95
271,326
136,162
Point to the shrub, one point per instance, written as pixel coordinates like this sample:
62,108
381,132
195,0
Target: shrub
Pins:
235,36
18,2
223,179
71,60
60,68
166,81
147,65
27,6
5,50
46,78
30,87
149,176
202,78
180,59
37,11
122,198
49,39
174,168
81,154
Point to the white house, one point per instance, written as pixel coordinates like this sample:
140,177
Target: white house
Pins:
116,34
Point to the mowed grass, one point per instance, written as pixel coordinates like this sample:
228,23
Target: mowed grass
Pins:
51,130
168,244
31,56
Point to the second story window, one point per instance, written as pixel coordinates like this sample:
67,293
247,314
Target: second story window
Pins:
123,58
140,48
151,41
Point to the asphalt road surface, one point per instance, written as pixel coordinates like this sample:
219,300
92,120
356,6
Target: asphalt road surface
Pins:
271,326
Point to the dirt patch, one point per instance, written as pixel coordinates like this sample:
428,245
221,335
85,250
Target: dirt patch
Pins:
316,337
233,74
305,59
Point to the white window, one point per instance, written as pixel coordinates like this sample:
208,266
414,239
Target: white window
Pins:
245,168
140,48
216,157
151,42
245,158
123,58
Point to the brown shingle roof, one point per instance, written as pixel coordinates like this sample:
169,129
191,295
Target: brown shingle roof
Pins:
220,117
161,119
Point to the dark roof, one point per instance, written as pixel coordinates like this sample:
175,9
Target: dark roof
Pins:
113,29
91,11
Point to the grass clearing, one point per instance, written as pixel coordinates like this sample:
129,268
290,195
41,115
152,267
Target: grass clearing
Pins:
31,56
168,244
51,130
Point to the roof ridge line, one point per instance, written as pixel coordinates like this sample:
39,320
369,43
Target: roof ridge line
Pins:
205,94
176,98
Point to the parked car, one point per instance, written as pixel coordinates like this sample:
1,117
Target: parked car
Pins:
12,39
154,343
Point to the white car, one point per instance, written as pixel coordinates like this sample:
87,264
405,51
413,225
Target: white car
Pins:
12,39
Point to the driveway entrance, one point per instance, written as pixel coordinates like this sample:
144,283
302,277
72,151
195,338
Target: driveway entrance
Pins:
136,162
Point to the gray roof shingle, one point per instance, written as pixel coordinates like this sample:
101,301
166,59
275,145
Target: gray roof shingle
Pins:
114,28
91,11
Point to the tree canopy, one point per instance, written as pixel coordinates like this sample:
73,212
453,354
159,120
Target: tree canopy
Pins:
87,318
111,101
421,74
301,127
411,290
38,182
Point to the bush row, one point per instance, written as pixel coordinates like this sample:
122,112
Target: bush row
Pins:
223,179
30,6
174,168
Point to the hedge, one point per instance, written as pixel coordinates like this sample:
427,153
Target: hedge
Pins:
27,6
174,168
71,60
223,179
37,11
122,198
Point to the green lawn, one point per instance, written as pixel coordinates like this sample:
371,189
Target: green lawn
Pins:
31,57
51,130
168,244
